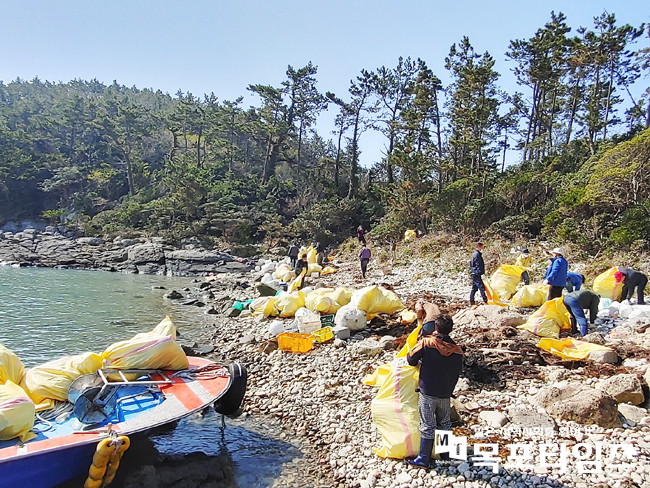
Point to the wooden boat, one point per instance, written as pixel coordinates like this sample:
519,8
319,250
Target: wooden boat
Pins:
64,447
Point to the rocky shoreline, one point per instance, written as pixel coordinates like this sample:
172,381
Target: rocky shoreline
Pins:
510,391
49,248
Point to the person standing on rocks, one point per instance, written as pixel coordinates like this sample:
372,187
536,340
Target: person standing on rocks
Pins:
364,257
556,274
477,270
441,362
361,234
523,260
632,279
293,254
577,302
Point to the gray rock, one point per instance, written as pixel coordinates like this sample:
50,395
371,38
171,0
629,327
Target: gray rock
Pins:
527,417
493,418
579,403
90,241
367,347
625,388
173,295
603,357
266,290
247,339
633,413
146,253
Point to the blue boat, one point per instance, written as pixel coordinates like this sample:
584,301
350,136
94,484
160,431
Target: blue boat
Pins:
68,438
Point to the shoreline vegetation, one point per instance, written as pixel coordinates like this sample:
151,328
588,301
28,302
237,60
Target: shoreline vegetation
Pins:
105,160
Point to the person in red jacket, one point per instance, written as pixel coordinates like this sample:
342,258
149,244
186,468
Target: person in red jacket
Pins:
442,360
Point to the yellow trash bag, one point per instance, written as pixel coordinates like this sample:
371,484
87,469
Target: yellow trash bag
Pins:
11,367
297,282
16,413
311,255
505,279
408,317
373,299
549,319
377,377
571,349
314,268
51,380
342,295
395,412
530,296
284,273
606,285
328,270
288,303
320,300
263,306
493,298
409,234
157,349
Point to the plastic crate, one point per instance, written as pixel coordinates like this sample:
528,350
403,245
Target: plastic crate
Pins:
324,334
294,342
327,320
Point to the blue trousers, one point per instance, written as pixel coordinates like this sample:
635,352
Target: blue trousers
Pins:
577,315
477,285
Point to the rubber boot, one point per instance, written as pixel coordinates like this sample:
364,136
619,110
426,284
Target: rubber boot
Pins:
424,458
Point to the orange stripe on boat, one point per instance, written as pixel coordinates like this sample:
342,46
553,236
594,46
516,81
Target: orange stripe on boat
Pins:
8,452
183,394
68,440
214,386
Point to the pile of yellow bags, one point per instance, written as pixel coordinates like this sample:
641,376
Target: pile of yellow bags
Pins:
549,319
23,394
328,300
606,285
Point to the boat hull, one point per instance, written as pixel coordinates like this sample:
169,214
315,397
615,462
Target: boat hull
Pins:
48,462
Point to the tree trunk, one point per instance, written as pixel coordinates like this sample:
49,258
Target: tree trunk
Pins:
352,186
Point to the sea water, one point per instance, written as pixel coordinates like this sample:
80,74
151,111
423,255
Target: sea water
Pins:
48,313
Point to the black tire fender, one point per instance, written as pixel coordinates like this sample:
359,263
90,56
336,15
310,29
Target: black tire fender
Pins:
232,399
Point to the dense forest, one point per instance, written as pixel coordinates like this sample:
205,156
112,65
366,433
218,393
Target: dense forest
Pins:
112,159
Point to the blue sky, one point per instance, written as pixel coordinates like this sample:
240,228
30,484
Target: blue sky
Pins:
222,46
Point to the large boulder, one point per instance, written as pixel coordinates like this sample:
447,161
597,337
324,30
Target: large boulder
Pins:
624,388
579,403
526,417
146,253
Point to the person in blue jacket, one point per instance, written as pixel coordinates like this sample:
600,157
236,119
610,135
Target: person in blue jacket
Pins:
574,281
477,270
556,274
